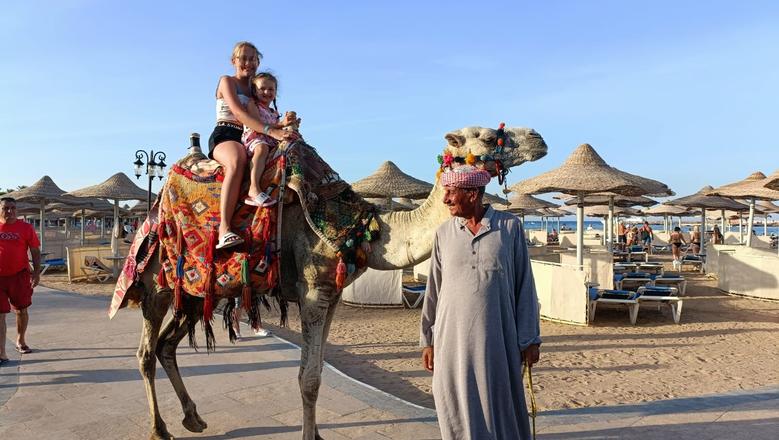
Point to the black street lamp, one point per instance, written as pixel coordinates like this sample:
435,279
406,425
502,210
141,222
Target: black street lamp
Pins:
155,164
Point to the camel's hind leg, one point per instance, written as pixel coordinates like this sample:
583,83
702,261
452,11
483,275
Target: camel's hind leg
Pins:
154,308
315,324
170,337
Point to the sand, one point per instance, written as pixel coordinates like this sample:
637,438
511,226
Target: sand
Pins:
724,343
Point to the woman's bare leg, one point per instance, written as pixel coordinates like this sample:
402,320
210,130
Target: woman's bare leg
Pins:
232,156
258,167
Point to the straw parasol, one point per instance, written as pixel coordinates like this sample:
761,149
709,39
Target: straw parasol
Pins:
752,188
496,201
117,188
772,181
42,192
603,200
585,172
668,212
702,201
388,181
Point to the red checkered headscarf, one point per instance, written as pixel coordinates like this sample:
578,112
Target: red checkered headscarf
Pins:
465,176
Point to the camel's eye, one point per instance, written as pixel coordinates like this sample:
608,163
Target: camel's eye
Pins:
489,138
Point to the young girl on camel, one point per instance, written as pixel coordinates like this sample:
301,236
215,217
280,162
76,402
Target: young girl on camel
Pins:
259,144
232,99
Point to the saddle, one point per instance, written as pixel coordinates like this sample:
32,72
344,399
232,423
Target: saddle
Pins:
182,226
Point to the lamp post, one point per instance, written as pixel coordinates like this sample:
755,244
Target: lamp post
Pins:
155,164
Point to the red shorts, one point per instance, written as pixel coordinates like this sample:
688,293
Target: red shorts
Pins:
16,291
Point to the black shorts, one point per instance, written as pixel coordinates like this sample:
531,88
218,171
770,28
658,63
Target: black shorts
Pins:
223,133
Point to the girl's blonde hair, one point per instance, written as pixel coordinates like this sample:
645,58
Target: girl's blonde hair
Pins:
242,45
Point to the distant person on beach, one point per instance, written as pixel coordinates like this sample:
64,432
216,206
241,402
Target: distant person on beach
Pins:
233,112
677,239
647,235
480,317
259,144
695,239
17,237
632,236
553,237
622,232
717,237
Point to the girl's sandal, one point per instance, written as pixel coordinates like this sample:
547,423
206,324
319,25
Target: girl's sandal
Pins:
230,239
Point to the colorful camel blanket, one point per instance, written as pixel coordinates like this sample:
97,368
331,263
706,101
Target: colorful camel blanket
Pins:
184,229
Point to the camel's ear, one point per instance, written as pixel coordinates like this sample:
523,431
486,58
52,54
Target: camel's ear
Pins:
455,139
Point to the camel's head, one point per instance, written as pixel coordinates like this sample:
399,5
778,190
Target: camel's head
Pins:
520,145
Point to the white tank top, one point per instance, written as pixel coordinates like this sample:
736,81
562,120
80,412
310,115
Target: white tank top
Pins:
223,112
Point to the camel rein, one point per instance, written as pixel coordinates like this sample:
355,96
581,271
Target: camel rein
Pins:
533,412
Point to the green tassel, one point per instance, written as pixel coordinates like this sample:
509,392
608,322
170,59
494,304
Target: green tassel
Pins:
245,270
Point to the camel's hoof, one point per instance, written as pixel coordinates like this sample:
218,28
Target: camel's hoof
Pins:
161,435
194,423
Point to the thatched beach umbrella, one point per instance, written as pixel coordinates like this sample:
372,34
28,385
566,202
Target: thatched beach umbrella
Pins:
42,192
388,182
667,212
525,204
585,172
748,189
702,201
772,181
117,188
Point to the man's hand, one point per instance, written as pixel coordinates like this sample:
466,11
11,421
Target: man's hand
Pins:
427,358
531,354
35,278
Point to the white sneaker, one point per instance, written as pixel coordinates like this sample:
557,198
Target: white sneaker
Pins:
263,333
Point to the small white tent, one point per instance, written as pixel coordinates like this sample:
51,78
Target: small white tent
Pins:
375,288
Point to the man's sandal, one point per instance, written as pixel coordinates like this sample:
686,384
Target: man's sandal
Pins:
23,349
230,239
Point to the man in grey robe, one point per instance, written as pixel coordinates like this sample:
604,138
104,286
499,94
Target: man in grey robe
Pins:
480,316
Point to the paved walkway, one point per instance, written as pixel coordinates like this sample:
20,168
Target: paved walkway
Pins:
82,382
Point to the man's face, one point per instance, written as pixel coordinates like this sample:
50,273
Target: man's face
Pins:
461,201
7,212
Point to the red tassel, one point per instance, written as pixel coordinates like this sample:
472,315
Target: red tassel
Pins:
162,279
177,296
272,274
340,274
246,297
208,307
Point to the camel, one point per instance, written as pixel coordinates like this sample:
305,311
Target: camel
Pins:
308,275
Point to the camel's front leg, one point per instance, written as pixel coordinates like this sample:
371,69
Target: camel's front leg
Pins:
170,337
154,307
315,322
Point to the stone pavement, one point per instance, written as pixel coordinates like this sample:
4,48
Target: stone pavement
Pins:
82,382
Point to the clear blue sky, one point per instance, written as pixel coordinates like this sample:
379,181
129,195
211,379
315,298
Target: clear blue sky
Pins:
682,92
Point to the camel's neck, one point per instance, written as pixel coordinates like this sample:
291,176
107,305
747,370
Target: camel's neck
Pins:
407,236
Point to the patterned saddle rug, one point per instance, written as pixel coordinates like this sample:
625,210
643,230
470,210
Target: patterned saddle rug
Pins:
183,226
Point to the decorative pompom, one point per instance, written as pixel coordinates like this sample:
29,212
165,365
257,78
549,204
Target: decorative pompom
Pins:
502,125
438,174
440,159
448,159
500,142
470,159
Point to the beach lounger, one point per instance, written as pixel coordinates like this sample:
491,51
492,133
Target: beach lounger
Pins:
672,280
620,297
96,270
632,280
651,268
662,295
696,261
413,295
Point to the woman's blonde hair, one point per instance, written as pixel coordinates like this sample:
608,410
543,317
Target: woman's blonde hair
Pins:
242,45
